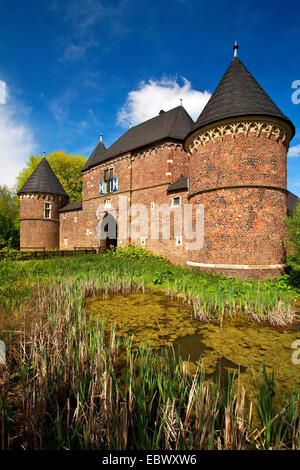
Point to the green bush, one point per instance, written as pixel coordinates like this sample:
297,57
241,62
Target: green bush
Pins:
293,226
132,251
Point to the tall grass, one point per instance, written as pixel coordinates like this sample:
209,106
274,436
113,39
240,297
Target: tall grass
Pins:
69,386
211,296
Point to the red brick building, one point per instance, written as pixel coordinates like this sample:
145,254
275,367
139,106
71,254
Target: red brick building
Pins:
231,163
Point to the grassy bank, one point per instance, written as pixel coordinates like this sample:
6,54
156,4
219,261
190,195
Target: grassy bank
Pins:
211,296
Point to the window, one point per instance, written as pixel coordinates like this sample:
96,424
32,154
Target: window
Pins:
143,241
178,241
109,180
65,242
107,202
47,210
65,215
152,206
75,219
176,201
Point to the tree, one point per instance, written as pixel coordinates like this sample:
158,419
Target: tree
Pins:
293,225
67,168
9,218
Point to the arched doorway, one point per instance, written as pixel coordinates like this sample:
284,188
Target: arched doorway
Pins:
108,231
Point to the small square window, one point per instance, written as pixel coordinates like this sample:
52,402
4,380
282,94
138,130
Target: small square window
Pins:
152,206
65,242
75,219
65,215
178,241
176,201
143,241
47,210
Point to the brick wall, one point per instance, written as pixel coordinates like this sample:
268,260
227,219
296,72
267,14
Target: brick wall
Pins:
240,180
238,161
70,234
36,231
143,177
243,225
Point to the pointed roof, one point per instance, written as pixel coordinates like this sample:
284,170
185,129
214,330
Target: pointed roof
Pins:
95,156
239,94
173,124
43,180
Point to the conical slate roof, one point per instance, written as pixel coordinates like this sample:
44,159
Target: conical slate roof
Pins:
43,180
95,156
239,94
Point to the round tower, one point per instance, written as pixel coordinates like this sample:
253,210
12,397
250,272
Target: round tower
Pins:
41,197
238,158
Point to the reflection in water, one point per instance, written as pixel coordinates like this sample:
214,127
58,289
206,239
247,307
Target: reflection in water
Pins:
238,346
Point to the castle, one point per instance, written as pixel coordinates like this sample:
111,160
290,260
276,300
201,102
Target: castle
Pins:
232,161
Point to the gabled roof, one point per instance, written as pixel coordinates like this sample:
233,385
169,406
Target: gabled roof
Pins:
74,206
178,185
173,124
95,156
43,180
239,94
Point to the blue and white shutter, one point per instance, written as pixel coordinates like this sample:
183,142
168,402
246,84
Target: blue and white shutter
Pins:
101,187
115,183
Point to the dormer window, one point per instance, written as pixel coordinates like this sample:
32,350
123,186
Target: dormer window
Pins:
47,210
109,180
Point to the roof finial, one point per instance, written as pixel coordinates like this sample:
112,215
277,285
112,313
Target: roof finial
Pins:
101,136
130,125
235,48
180,101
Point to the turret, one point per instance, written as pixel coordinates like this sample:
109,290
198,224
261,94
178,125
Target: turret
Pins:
41,197
238,158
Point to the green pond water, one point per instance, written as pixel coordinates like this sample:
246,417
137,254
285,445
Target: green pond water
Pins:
239,345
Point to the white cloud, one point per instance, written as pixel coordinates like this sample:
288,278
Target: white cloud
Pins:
16,142
294,151
154,95
2,92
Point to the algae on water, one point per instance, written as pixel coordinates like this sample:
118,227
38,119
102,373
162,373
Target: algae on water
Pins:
237,346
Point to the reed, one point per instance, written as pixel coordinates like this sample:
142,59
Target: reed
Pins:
69,385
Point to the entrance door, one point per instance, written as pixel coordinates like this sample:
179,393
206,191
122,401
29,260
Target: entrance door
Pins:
108,231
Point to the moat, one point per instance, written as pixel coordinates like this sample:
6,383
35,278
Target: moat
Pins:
236,345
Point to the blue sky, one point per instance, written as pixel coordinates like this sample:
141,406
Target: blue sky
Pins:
72,69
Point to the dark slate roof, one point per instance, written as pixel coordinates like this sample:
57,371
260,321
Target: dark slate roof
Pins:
95,156
74,206
239,94
292,201
173,124
178,185
43,180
